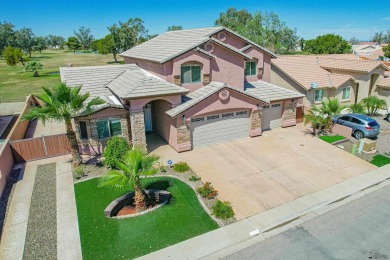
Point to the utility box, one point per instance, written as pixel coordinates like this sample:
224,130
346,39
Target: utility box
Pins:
369,144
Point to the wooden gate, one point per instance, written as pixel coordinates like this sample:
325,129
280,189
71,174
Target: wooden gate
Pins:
39,148
299,115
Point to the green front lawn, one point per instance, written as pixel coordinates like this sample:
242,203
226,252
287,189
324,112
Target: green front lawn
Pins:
105,238
332,138
380,160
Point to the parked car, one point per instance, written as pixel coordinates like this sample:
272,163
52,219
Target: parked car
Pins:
362,126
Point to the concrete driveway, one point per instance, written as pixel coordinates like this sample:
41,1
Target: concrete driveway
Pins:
256,174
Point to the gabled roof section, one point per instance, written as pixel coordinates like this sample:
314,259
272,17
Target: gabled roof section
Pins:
385,82
230,48
138,83
362,66
172,44
269,91
201,94
305,69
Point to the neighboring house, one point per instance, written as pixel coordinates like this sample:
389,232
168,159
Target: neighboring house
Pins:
192,87
331,76
370,51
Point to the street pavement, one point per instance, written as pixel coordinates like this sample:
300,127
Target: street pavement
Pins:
357,230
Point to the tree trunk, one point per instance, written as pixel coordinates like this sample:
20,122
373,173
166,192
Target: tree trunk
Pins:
116,61
29,54
74,147
74,50
139,198
36,74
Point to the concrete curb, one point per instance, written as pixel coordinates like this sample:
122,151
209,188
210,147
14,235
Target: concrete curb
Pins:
229,239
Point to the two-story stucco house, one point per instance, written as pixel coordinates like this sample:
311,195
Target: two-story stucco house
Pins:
344,77
192,87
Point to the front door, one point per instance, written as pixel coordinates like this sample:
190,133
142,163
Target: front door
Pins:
148,118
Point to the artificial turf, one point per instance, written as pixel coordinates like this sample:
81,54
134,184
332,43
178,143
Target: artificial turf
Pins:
105,238
332,138
380,160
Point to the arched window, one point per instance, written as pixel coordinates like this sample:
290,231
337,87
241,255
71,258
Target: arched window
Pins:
191,73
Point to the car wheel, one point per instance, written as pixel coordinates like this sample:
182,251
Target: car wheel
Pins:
388,118
359,135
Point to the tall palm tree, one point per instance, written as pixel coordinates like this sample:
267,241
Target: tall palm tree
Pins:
133,165
61,105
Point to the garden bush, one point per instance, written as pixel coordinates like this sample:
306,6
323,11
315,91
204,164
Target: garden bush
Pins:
223,210
207,191
116,148
194,178
181,167
80,172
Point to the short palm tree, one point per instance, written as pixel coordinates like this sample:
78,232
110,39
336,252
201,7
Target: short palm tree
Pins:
357,108
133,165
329,109
34,66
62,104
315,118
373,103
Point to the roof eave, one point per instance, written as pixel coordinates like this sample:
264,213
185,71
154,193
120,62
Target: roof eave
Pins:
156,95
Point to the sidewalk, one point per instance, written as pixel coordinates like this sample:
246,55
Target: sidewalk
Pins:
229,239
15,228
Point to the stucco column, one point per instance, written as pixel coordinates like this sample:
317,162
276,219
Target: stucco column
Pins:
289,113
183,136
255,128
137,124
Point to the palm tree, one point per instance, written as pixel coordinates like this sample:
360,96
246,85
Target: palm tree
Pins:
34,66
357,108
329,109
133,165
62,104
315,118
373,103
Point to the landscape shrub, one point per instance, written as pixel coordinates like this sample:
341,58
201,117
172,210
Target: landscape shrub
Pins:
181,167
116,148
194,178
207,191
223,210
80,172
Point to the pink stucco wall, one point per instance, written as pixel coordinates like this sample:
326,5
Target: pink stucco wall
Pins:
231,40
163,124
138,104
163,71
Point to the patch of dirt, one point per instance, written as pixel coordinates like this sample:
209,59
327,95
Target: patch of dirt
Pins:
129,210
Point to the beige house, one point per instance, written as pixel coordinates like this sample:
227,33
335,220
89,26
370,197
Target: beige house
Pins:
331,76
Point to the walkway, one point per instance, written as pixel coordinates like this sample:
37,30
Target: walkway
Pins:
15,229
227,240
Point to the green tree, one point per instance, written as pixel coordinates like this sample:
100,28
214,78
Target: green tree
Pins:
127,34
115,149
7,35
25,40
84,36
379,37
315,118
357,108
40,44
386,51
61,105
174,28
328,110
55,41
94,44
133,165
73,43
327,44
106,45
13,56
265,29
34,66
354,41
372,104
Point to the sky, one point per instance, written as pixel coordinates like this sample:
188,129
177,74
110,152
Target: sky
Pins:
349,18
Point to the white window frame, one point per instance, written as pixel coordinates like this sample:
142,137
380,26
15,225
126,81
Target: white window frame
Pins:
349,93
191,65
322,95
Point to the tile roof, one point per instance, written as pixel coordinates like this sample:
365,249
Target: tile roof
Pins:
305,70
365,66
172,44
137,83
201,94
268,91
385,82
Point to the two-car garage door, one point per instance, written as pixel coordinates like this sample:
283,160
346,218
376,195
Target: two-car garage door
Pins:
219,128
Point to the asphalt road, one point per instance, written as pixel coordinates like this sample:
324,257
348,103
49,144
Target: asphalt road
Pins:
357,230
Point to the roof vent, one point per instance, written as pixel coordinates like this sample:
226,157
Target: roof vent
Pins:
209,47
222,36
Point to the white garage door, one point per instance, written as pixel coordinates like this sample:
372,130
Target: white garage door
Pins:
219,128
271,117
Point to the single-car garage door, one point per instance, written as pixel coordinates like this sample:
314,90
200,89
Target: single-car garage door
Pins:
219,128
271,117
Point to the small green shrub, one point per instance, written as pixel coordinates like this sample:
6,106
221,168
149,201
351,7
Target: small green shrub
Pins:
223,210
207,191
162,169
181,167
116,148
80,172
194,178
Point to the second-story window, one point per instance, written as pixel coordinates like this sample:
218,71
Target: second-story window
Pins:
250,68
190,74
